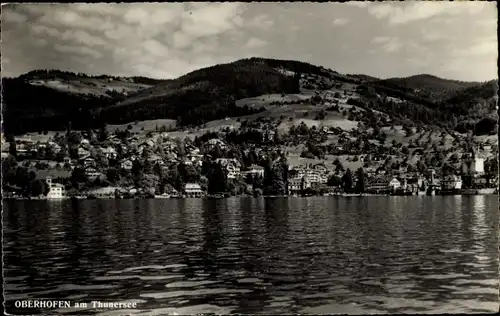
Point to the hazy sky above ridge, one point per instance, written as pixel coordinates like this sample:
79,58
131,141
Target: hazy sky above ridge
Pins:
455,40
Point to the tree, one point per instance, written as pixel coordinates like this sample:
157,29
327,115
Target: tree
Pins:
78,176
217,179
347,180
275,183
13,149
75,138
334,181
360,184
137,167
103,133
174,178
258,182
188,173
249,178
22,177
181,148
112,175
37,187
149,182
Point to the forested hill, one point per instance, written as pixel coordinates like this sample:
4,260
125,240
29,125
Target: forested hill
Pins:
48,100
210,93
427,86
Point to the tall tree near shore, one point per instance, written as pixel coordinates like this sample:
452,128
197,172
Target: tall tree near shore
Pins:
347,180
217,179
360,184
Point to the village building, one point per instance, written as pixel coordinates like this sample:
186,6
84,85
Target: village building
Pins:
56,190
232,166
91,173
295,186
88,161
451,182
377,185
105,192
212,143
193,190
155,159
109,152
67,160
169,145
126,164
255,170
472,164
56,148
82,152
394,184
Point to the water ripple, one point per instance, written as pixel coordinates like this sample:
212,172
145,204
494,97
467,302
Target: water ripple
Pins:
256,256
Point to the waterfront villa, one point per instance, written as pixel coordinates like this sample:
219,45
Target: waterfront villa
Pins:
295,187
451,183
56,190
394,184
193,190
377,185
472,164
256,170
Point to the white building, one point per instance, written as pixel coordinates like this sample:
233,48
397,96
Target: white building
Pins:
56,190
473,165
92,174
451,182
216,142
256,170
394,184
193,190
109,152
127,164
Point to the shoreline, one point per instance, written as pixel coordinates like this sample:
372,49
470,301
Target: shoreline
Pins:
238,196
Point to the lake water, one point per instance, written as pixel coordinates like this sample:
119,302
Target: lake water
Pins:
245,255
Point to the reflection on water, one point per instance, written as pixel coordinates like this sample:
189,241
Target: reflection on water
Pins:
246,255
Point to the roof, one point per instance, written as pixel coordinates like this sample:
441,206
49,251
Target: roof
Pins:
192,186
255,167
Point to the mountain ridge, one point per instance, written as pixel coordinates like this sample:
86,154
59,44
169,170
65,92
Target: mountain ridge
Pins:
211,92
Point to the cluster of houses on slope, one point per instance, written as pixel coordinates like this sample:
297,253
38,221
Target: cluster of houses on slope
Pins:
300,177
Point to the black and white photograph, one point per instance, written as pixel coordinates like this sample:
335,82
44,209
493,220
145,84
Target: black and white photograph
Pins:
250,158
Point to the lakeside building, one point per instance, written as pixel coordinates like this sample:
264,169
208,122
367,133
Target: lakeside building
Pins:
472,164
394,184
193,190
451,183
377,185
295,186
56,190
255,170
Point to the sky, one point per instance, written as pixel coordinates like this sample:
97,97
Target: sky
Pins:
455,40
